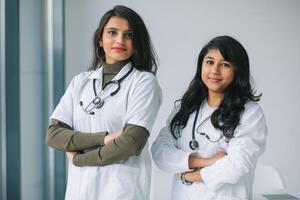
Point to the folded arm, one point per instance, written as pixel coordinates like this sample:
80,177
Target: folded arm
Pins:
129,143
242,153
60,136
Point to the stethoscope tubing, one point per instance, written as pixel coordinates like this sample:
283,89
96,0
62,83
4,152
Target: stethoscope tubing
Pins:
98,102
194,144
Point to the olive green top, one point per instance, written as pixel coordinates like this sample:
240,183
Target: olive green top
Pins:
61,137
111,70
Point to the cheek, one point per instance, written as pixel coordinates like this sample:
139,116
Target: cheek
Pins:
105,49
130,45
105,45
131,49
202,76
229,79
231,76
204,73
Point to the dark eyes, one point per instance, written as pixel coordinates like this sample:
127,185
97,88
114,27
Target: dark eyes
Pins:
113,33
225,65
211,62
128,35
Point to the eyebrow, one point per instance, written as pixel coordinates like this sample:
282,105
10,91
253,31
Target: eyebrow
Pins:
112,28
208,57
115,29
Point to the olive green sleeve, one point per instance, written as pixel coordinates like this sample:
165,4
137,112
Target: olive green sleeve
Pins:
130,143
61,137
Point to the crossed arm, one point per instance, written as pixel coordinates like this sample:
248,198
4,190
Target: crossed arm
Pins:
96,149
196,163
170,158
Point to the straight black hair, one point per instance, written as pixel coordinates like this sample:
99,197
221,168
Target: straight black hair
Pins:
227,116
144,57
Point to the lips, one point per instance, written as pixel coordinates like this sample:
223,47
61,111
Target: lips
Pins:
119,49
215,79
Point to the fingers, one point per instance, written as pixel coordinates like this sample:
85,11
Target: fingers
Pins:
70,155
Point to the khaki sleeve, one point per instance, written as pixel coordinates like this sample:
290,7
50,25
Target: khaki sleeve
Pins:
130,143
61,137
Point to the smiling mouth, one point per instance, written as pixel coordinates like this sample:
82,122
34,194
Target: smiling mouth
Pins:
119,49
215,79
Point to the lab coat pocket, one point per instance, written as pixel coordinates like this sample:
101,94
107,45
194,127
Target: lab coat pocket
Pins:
117,181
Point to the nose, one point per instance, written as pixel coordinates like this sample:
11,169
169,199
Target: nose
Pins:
120,39
215,69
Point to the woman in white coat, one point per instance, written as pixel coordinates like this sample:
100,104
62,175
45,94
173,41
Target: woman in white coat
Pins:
217,131
105,117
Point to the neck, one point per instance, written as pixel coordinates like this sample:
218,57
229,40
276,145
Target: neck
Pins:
214,100
114,68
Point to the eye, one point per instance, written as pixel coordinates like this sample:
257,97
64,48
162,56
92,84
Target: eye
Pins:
112,32
209,62
225,65
128,35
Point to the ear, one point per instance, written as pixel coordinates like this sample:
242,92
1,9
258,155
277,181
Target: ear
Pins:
100,43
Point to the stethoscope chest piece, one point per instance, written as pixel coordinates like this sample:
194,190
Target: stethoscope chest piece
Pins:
194,145
98,102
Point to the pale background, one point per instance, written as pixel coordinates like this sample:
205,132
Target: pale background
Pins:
269,30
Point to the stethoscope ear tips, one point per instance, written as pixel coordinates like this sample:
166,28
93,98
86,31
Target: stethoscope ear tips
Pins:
194,144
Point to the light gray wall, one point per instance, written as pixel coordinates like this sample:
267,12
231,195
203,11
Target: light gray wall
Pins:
269,30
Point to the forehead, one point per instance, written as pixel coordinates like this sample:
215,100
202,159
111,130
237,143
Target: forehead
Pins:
117,22
214,53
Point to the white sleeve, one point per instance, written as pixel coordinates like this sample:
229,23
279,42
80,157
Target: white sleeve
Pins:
64,110
165,153
144,104
242,153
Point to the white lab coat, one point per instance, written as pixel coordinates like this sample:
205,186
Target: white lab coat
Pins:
231,177
137,103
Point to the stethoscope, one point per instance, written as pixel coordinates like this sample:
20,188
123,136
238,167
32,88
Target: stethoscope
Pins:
194,144
98,102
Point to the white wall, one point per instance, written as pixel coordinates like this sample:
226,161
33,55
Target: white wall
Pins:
269,30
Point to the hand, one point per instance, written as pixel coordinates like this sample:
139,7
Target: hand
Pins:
112,136
71,155
193,176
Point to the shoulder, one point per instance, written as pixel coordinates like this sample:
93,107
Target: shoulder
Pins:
144,76
252,123
252,106
81,77
143,79
174,111
252,110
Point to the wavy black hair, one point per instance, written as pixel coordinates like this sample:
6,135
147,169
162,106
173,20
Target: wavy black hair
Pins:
144,57
227,116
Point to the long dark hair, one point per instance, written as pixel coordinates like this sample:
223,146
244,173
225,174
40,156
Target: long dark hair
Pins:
227,116
144,57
